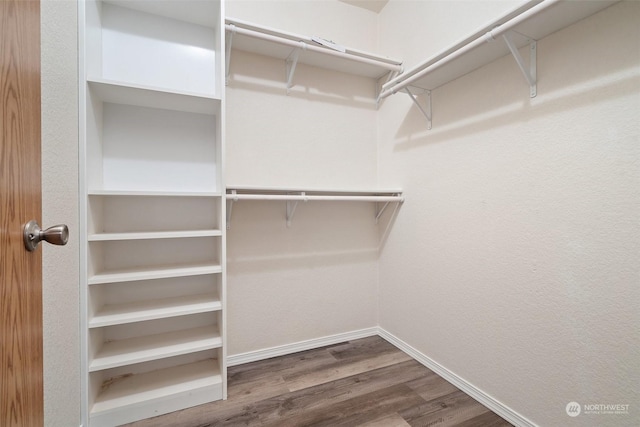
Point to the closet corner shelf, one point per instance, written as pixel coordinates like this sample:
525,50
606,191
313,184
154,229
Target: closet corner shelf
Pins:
522,26
294,49
294,195
117,92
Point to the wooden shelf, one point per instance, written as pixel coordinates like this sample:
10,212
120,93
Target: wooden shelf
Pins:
133,274
297,48
152,97
155,393
102,237
139,311
532,21
154,347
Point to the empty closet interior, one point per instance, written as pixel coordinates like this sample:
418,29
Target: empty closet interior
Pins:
259,178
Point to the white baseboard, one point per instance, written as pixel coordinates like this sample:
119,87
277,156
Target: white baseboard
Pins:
496,406
253,356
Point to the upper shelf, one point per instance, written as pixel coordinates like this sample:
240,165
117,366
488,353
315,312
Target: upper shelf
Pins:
531,21
205,13
296,48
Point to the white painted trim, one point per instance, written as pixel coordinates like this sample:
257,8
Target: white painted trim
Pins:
490,402
254,356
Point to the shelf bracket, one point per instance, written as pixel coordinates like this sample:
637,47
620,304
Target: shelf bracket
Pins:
426,110
229,40
530,74
379,211
292,62
291,208
230,203
390,76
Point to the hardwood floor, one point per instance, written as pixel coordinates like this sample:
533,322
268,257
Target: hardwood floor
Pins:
366,382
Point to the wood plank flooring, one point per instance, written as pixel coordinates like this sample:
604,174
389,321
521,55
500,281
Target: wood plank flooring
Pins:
366,382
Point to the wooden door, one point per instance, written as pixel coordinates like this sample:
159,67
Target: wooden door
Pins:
21,395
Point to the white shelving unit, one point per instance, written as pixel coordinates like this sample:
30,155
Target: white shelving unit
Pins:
520,27
295,48
153,210
291,196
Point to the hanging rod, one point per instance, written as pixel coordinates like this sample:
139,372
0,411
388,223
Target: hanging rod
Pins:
530,22
311,197
488,37
292,199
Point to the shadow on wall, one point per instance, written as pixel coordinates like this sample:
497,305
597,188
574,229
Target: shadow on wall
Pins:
496,95
249,71
321,234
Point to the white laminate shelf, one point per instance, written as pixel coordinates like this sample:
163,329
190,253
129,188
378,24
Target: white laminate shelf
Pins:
133,397
300,194
294,195
117,92
149,273
135,193
520,27
102,237
154,347
117,314
295,48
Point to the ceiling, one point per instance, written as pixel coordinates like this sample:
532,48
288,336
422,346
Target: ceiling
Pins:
372,5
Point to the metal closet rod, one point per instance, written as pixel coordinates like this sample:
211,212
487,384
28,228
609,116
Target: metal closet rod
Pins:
306,46
305,198
489,36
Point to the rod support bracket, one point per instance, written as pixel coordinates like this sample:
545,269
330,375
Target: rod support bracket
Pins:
426,109
291,63
291,206
230,202
390,76
229,40
380,210
530,73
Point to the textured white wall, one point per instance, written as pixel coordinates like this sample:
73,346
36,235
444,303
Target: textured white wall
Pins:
318,277
345,24
514,261
60,205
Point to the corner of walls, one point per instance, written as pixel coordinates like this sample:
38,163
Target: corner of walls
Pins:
309,344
